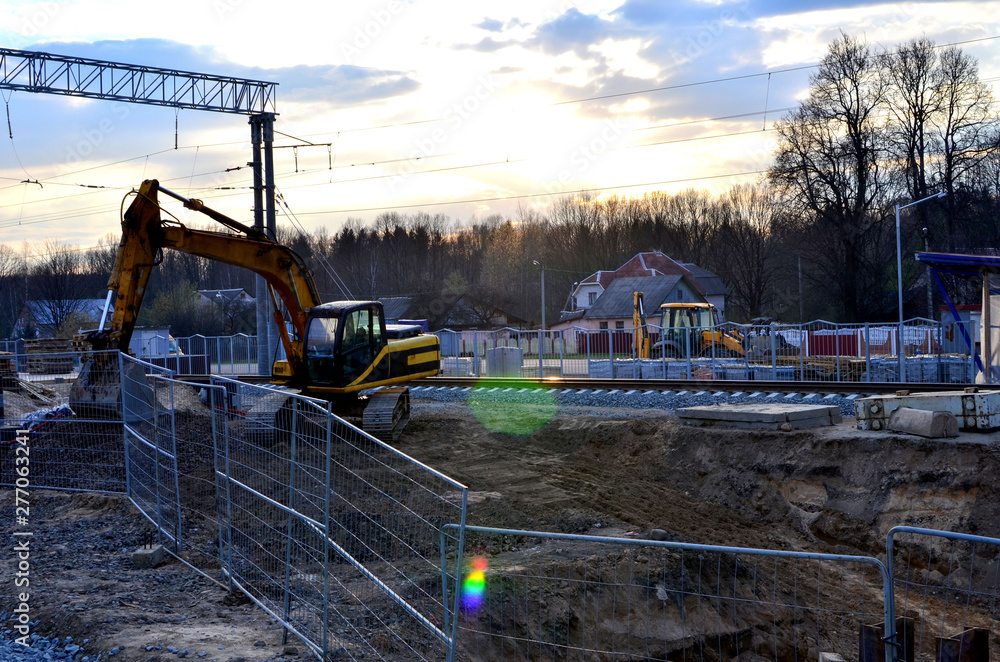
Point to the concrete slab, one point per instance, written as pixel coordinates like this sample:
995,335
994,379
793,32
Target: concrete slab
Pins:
763,416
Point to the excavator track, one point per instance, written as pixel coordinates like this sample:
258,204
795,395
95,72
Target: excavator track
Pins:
387,413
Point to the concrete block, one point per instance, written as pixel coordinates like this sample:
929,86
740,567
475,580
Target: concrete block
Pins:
762,416
148,557
931,424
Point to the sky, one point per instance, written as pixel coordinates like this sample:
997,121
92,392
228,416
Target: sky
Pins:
462,108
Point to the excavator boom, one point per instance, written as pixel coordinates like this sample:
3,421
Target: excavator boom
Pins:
145,234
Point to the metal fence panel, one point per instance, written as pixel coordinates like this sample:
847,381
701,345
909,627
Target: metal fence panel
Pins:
947,584
528,595
68,451
333,532
150,446
817,351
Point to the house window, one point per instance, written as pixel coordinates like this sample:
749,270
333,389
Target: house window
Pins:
604,326
680,294
620,326
591,298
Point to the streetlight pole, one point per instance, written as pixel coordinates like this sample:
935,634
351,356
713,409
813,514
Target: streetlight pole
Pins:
541,335
900,350
542,267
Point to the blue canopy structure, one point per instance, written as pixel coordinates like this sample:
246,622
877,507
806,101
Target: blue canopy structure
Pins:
969,267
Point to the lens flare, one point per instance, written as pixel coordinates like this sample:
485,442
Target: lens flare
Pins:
511,406
474,585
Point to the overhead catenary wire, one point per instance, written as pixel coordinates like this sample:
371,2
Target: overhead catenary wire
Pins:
320,257
769,74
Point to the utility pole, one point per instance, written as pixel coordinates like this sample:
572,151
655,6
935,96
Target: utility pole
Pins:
46,73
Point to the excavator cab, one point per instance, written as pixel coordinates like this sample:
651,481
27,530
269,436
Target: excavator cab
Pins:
343,340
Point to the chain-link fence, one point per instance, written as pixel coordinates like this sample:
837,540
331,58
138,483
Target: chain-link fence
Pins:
946,590
74,445
218,355
529,595
925,351
332,532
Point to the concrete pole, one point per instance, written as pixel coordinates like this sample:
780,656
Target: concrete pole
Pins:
272,230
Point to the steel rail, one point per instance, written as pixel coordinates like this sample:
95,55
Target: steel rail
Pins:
662,385
711,386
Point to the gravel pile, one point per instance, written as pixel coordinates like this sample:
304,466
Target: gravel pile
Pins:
44,648
668,401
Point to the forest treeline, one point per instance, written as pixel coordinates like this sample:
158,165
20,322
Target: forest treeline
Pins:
814,238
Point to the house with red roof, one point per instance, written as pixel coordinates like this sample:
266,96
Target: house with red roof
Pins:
604,300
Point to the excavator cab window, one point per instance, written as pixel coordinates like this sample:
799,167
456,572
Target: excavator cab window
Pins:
321,348
358,345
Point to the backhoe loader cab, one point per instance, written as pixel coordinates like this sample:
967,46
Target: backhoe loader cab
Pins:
691,328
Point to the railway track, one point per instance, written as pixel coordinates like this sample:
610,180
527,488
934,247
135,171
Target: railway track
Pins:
662,385
707,386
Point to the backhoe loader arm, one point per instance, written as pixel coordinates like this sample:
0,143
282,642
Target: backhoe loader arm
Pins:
145,234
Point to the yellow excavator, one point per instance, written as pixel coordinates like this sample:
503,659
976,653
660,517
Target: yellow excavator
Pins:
335,350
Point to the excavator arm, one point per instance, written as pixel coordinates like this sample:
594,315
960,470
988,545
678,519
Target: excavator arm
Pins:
145,234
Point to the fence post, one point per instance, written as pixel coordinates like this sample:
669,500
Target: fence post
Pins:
687,344
291,506
803,338
611,353
774,352
475,351
177,481
868,353
939,339
326,529
562,352
902,354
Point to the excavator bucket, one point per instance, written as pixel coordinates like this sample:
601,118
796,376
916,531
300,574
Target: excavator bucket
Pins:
97,391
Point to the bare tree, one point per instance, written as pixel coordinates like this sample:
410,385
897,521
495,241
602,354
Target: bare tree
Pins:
914,99
749,246
828,165
12,285
966,126
57,285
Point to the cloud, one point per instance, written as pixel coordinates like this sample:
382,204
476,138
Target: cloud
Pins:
573,31
487,45
490,25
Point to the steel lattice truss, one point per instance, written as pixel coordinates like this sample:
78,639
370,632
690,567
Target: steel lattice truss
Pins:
32,71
